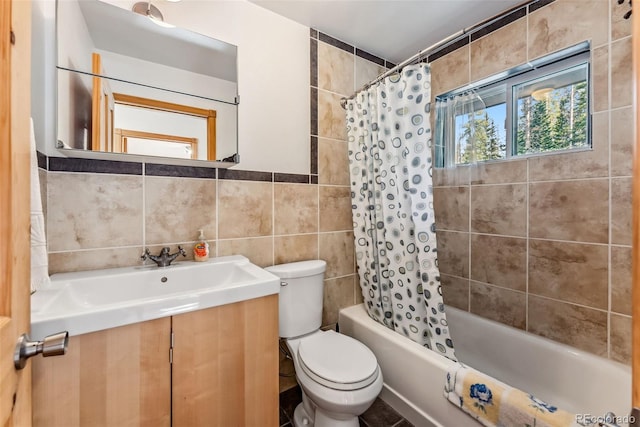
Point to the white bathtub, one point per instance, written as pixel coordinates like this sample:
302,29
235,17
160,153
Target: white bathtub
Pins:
414,377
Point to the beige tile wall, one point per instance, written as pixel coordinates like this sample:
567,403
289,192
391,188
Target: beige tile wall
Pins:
543,244
340,74
97,220
100,220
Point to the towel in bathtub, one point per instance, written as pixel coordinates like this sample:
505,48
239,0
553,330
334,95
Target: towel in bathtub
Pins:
495,404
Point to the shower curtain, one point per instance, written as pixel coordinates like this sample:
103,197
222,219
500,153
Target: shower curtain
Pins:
390,156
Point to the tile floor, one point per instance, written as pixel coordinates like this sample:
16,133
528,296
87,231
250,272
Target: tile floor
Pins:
378,415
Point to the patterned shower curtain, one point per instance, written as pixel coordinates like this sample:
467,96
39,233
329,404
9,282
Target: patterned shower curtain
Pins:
390,156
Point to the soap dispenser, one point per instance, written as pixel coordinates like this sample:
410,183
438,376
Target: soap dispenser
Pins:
201,249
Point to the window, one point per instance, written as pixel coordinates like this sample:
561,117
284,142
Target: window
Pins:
539,107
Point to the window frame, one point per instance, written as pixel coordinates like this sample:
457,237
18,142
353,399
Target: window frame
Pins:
553,63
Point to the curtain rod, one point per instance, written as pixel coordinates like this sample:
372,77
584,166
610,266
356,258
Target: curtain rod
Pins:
441,44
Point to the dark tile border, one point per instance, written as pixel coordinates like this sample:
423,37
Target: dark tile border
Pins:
314,154
336,43
292,178
390,64
70,164
313,113
313,60
153,169
448,48
499,23
370,57
42,160
242,175
66,164
537,5
313,33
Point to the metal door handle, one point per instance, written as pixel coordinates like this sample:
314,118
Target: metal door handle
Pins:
53,345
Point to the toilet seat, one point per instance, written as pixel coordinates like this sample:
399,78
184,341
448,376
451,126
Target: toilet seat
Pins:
337,361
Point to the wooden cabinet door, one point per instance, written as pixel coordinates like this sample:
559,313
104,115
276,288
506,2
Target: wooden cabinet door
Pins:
117,377
15,48
225,365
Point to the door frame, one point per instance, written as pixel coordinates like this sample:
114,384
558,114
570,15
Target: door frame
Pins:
15,109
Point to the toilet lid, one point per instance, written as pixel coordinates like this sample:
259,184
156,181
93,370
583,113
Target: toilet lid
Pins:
337,361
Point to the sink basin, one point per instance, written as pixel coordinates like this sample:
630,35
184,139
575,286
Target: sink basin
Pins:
90,301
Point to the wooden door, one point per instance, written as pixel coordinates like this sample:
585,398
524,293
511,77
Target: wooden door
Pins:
225,365
15,48
635,362
102,106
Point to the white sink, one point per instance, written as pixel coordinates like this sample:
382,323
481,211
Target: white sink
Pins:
90,301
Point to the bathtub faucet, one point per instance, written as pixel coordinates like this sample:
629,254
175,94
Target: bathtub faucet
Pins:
165,258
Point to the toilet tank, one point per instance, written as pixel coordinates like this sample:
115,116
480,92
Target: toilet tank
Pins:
300,299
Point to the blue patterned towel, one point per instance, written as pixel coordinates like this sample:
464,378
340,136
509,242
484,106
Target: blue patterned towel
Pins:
495,404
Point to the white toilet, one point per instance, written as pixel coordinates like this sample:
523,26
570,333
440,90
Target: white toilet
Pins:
339,376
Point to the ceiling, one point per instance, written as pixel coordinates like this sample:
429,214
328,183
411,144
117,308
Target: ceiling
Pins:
173,47
391,29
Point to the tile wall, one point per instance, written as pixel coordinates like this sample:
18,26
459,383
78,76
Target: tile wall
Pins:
102,214
341,70
544,244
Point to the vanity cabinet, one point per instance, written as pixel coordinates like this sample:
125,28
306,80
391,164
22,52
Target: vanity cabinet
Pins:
221,370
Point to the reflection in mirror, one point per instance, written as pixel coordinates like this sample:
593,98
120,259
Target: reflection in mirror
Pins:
138,116
122,108
155,144
128,86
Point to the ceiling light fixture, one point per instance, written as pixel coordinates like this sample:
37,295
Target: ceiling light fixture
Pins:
145,8
541,94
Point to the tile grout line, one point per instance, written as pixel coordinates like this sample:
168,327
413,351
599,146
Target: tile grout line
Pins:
526,261
609,216
355,285
601,178
217,211
544,239
493,285
470,213
468,185
502,184
603,310
402,420
144,207
527,18
317,72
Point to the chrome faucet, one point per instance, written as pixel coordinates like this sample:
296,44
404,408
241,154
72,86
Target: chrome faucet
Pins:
164,259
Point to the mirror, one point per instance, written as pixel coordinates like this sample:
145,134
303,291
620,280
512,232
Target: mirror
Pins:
128,86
